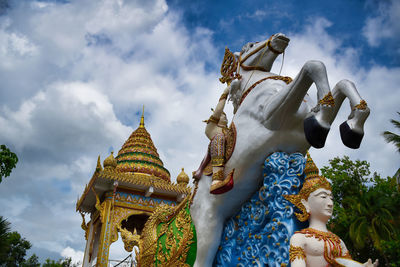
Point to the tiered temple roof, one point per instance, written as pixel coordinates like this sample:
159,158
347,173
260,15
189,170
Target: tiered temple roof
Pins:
136,167
139,155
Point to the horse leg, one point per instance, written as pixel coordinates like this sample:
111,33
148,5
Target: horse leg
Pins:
352,130
317,124
206,215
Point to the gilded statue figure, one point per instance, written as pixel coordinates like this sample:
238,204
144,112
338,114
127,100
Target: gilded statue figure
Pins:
315,246
216,129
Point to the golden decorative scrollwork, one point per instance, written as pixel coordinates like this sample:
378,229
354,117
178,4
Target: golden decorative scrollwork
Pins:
363,105
327,100
296,253
130,239
85,226
230,138
99,207
120,214
174,225
228,67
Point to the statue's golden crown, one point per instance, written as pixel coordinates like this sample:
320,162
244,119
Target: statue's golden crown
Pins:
312,182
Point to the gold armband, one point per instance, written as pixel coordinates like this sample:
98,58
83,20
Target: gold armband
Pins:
327,100
223,96
212,119
296,253
361,106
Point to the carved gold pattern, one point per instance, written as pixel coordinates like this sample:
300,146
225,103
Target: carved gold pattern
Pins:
228,67
218,176
332,246
230,139
130,239
327,100
85,226
138,179
212,119
286,79
296,253
110,161
120,214
138,154
362,106
182,178
104,246
311,183
150,247
98,206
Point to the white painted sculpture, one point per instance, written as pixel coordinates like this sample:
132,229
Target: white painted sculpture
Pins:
272,113
315,246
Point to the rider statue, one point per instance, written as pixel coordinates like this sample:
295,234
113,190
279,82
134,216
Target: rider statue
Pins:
217,126
315,246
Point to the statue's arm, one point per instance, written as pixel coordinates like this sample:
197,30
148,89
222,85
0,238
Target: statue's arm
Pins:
297,252
213,120
221,103
346,254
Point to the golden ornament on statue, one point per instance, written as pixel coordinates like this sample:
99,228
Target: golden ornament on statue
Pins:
228,67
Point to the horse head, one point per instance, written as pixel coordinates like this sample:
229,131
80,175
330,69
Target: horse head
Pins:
261,55
256,56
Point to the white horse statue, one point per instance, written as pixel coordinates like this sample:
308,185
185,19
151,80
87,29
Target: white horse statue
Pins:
272,113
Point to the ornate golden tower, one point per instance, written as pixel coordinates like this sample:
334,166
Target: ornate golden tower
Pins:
121,196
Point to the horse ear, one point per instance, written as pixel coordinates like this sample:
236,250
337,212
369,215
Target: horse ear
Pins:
237,55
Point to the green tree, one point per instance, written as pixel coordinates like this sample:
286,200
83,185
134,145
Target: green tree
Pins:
392,137
366,211
66,262
8,161
4,231
32,261
15,250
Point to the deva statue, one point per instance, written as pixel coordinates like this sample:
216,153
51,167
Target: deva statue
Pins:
216,131
315,246
272,113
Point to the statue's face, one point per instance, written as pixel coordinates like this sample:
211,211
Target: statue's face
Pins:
319,204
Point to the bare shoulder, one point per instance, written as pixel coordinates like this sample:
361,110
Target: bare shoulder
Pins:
298,240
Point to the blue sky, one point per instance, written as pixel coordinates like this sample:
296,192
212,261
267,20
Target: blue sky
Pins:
75,75
250,19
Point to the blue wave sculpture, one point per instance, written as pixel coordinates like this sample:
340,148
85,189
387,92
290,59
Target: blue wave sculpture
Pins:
259,234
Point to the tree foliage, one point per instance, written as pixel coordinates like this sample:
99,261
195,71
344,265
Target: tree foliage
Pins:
391,137
14,251
66,262
366,211
8,161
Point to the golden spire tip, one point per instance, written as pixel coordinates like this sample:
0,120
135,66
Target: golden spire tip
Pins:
142,119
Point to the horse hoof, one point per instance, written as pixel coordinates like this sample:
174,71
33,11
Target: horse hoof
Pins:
349,137
315,133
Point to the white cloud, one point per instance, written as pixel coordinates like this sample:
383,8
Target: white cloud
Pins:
384,25
76,256
377,85
78,74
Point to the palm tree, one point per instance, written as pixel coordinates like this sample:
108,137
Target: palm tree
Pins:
4,231
392,137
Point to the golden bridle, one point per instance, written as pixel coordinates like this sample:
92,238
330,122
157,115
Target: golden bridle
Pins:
256,67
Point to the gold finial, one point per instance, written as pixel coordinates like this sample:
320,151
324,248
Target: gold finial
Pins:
142,119
98,167
110,161
183,178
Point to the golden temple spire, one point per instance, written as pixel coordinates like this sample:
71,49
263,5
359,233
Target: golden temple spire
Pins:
142,119
98,167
